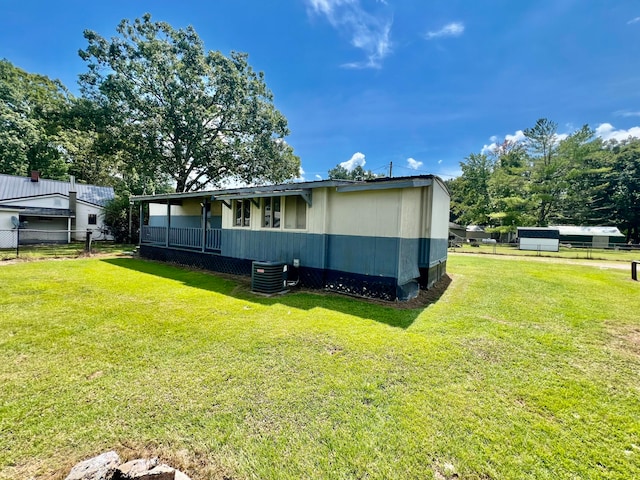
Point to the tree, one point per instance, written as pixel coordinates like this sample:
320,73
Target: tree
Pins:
184,115
510,199
624,187
358,173
470,200
547,169
30,108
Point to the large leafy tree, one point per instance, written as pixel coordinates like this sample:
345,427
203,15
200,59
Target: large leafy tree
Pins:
183,114
624,186
507,187
470,202
31,106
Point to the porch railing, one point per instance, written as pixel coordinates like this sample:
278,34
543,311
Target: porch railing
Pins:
182,237
185,237
154,235
214,238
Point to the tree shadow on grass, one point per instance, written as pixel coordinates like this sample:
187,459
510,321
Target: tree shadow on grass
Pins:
395,314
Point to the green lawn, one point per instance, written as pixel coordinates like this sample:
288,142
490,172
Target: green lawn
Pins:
63,250
519,370
578,253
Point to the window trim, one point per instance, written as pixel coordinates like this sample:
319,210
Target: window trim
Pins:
245,220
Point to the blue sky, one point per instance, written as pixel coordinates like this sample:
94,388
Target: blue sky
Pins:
418,83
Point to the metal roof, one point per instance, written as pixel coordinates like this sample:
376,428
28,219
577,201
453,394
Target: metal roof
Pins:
14,188
604,231
346,185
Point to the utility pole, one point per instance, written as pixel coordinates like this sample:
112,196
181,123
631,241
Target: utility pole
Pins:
390,169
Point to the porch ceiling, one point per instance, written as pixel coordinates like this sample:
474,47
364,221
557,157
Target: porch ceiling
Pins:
305,193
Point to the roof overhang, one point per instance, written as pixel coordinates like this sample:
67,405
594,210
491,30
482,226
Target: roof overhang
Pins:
389,184
305,193
297,188
47,212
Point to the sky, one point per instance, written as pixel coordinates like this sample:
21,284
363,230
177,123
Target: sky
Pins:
415,84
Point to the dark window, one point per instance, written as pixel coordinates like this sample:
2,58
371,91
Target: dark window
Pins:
93,219
271,212
242,209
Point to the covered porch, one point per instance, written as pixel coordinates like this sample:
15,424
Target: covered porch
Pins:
192,223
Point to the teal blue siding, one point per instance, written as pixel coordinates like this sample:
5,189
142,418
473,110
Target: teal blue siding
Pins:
432,251
374,256
364,255
274,246
408,256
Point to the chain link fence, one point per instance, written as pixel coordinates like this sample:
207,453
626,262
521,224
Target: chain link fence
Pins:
25,243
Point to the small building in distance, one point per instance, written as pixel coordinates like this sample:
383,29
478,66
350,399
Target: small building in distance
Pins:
595,237
539,239
476,233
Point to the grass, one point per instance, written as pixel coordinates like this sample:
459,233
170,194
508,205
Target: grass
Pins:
564,252
63,250
520,370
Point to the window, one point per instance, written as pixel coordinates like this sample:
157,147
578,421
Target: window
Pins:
93,219
271,212
242,209
295,212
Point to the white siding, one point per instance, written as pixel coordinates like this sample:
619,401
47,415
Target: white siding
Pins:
369,213
8,236
47,201
82,222
439,208
540,244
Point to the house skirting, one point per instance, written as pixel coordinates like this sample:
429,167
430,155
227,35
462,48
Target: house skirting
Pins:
373,286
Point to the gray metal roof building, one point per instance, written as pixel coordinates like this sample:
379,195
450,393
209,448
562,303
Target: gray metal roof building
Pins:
13,188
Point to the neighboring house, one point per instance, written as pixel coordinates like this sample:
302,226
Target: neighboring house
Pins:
50,210
476,233
384,238
596,237
457,234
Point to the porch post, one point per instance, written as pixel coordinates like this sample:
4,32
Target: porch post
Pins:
68,229
141,221
168,223
204,223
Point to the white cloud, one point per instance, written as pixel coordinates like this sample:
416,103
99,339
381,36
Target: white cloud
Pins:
606,131
454,29
486,149
413,164
369,32
300,177
633,20
318,177
357,159
439,162
517,137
